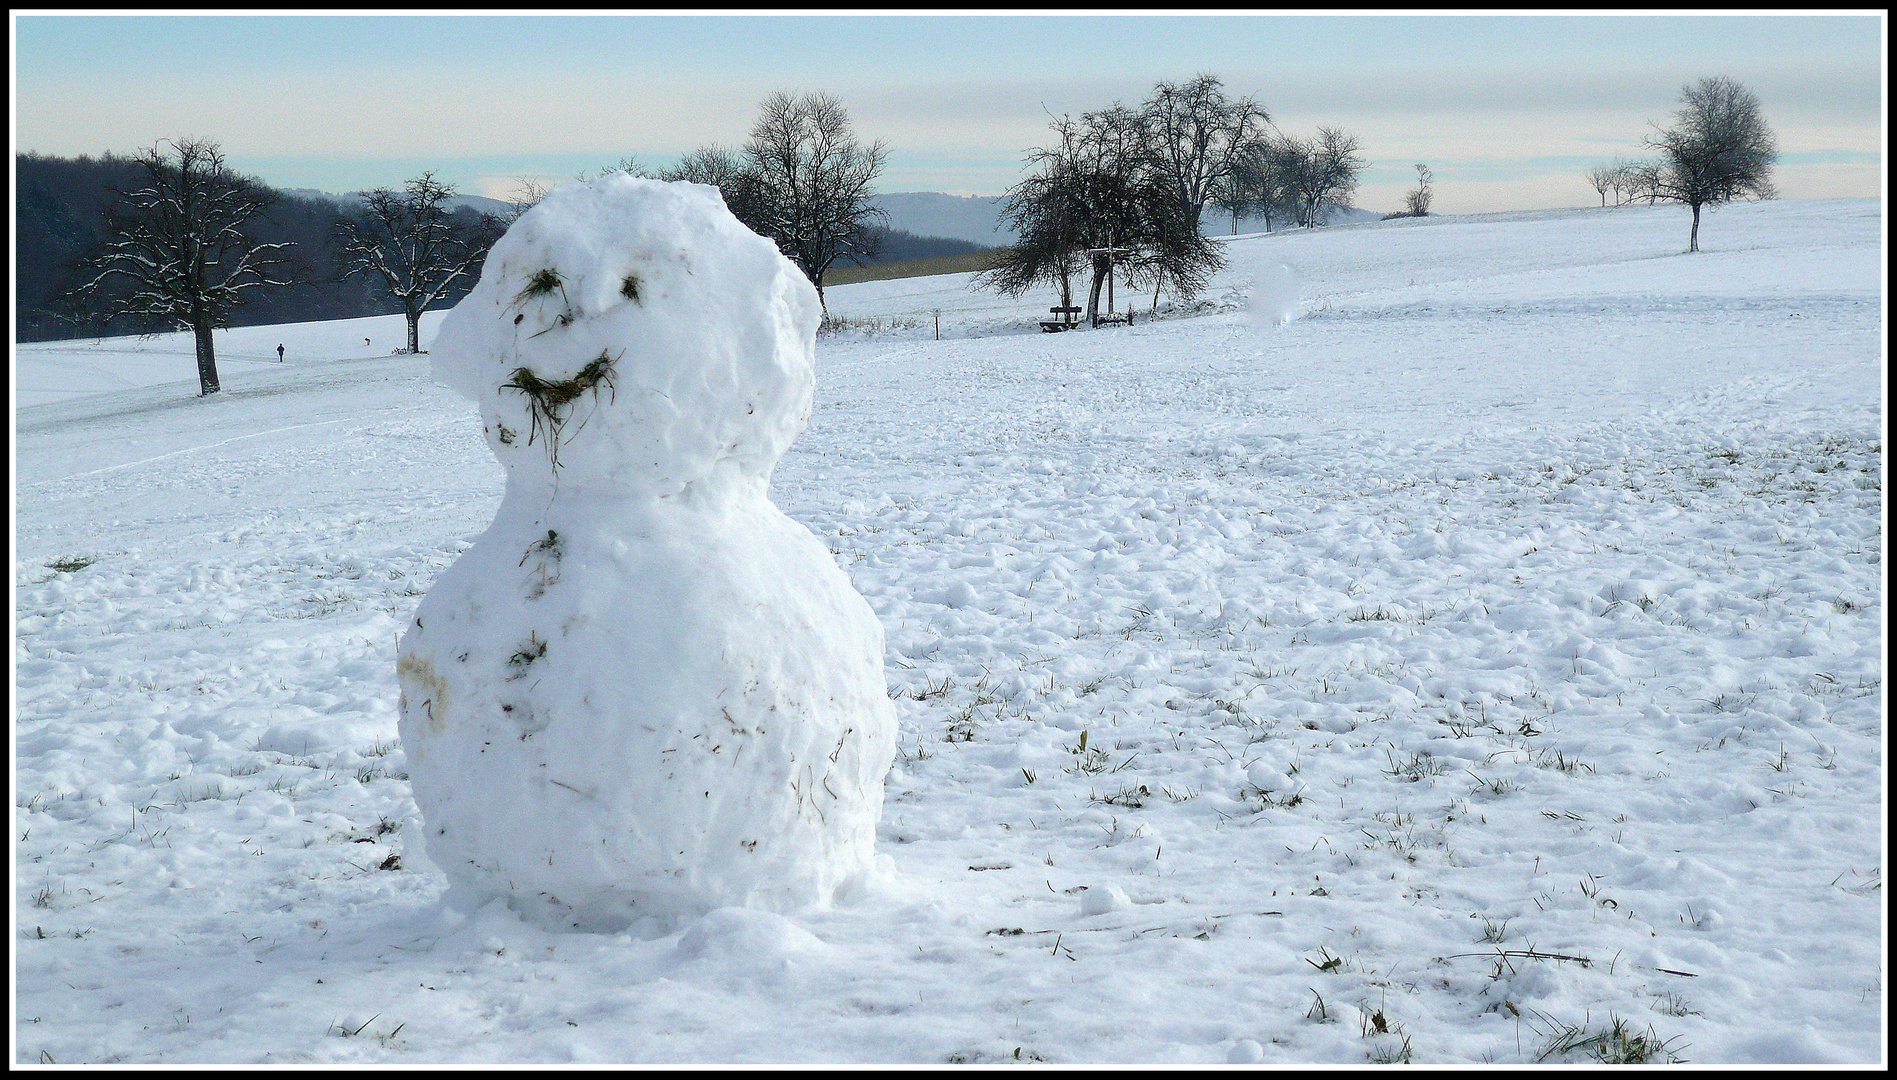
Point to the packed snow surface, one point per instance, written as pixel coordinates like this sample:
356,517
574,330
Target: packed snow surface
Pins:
1488,656
1273,295
644,692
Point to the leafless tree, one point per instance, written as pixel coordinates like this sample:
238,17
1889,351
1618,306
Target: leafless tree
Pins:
1601,178
1092,204
414,245
1260,183
1417,202
1640,180
1073,209
178,246
1617,177
1047,216
1620,180
1323,173
814,181
727,170
628,165
709,164
1196,138
1719,149
528,191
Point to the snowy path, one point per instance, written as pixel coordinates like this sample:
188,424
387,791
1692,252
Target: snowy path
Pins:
1493,651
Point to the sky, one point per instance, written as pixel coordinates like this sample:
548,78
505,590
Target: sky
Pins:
1509,112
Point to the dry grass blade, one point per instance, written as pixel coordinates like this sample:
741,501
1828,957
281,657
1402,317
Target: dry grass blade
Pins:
549,400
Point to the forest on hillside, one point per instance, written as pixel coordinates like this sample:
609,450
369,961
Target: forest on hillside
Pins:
60,207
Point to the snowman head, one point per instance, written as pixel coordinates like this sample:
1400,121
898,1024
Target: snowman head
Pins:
630,336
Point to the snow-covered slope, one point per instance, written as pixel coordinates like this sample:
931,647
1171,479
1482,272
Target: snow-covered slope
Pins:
1490,655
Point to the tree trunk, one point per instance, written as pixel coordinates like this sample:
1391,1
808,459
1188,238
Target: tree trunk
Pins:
207,359
1694,246
414,331
1101,263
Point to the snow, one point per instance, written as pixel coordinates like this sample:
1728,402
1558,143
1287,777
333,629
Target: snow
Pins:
1540,561
80,367
1273,294
644,692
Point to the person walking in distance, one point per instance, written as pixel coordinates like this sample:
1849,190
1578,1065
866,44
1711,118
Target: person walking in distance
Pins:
279,354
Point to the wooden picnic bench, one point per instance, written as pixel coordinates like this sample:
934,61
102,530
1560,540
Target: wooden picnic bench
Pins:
1114,317
1067,320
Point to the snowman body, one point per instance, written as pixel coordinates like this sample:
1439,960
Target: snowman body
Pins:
644,690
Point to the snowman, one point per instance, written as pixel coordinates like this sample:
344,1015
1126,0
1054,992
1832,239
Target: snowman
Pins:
644,691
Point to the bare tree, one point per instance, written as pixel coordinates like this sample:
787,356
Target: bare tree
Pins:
1618,177
1719,149
528,192
1109,153
1260,182
1602,177
1196,137
1233,198
709,164
1641,181
178,246
814,179
1074,210
1323,173
1047,218
629,165
414,245
1620,180
1416,203
1092,204
727,170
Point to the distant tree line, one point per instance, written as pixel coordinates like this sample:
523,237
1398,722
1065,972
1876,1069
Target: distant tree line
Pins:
1718,149
173,238
1300,181
62,211
1121,190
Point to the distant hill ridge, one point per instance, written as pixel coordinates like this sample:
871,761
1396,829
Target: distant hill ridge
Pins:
974,218
922,225
349,200
57,215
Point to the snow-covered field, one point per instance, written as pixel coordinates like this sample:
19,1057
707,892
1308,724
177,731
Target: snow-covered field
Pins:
1486,666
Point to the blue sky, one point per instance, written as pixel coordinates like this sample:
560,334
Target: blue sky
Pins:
1509,111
